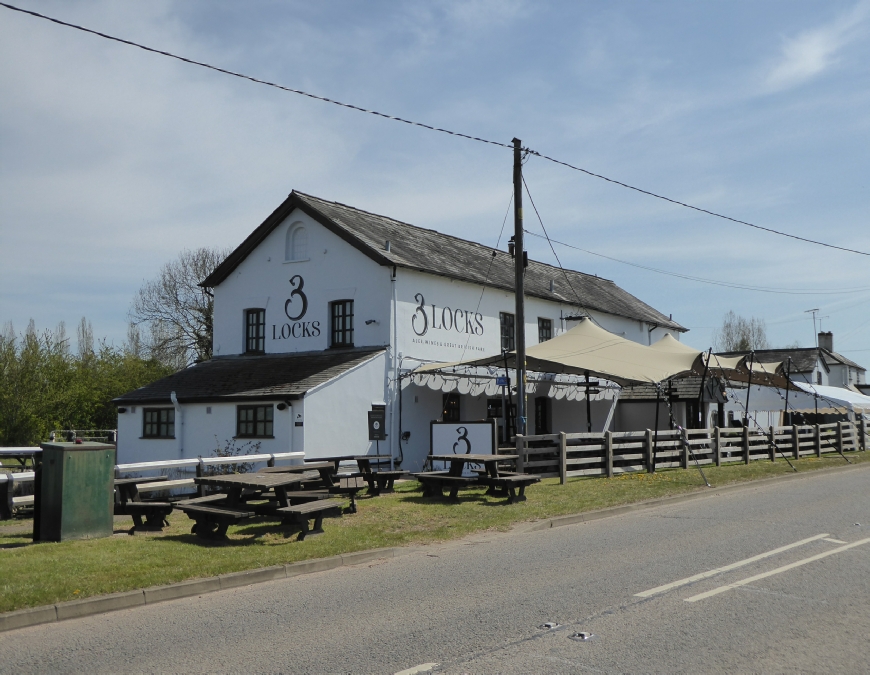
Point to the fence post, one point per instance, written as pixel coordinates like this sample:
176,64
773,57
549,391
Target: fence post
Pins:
608,454
6,489
717,445
521,458
270,461
840,436
200,489
862,430
563,457
648,452
771,450
746,443
796,441
684,454
817,437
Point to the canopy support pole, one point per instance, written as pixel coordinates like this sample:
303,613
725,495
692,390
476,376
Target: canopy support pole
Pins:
612,410
588,407
749,387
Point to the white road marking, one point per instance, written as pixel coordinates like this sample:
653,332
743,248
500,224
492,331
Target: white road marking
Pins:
834,541
422,668
719,570
778,570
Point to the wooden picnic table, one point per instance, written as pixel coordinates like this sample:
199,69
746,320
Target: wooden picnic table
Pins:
499,483
128,502
213,518
379,480
325,468
458,462
22,455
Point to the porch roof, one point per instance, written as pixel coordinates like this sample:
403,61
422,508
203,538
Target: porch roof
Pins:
250,377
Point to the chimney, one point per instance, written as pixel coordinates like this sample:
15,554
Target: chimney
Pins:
826,341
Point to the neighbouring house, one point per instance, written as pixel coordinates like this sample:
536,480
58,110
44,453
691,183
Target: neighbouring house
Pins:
323,310
820,373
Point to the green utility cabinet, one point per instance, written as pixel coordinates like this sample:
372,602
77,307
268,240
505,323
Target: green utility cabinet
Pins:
74,493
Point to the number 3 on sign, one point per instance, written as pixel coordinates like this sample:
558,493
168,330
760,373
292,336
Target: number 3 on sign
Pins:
463,438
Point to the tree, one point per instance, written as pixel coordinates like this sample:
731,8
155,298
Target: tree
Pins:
738,334
45,386
176,312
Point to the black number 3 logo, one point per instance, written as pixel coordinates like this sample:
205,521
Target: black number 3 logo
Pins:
297,282
463,438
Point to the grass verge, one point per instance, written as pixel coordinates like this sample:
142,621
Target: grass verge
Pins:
46,573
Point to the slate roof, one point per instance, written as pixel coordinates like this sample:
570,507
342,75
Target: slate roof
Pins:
803,360
679,389
432,252
250,378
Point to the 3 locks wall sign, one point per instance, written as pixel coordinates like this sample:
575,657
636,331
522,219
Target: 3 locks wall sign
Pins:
295,309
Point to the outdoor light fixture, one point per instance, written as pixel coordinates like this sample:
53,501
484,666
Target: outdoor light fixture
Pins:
369,322
281,406
406,435
121,411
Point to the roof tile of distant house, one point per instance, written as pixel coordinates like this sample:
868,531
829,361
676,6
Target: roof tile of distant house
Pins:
803,360
432,252
241,378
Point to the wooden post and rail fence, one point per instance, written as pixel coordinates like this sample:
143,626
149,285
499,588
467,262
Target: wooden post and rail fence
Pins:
565,455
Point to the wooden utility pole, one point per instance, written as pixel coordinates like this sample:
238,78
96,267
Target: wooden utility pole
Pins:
520,264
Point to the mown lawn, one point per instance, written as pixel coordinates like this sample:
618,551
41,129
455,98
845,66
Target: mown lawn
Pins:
39,574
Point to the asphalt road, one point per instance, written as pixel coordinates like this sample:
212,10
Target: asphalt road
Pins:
478,606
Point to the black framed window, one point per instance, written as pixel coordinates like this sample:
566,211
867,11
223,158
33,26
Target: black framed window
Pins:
494,412
507,331
158,423
341,323
254,421
450,411
255,331
545,330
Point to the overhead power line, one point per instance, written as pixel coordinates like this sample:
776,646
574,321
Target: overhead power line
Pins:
424,126
715,282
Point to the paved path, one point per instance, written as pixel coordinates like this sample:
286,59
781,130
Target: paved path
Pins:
476,606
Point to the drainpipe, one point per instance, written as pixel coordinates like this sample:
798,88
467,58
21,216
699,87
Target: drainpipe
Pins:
395,441
179,423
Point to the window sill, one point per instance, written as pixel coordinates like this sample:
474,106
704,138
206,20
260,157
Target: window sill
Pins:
248,438
156,438
287,262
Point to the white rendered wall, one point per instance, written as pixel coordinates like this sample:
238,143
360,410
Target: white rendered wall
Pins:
202,433
336,420
334,270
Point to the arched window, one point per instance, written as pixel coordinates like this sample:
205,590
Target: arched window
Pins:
296,245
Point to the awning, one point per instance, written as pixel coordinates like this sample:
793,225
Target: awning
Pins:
836,398
587,348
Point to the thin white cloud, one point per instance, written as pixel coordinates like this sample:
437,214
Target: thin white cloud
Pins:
813,51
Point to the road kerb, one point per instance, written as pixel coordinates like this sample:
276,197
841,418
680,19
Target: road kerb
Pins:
31,616
247,577
182,589
99,605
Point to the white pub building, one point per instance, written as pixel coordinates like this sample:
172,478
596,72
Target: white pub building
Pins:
324,311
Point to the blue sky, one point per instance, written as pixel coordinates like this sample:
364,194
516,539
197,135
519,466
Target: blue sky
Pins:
112,160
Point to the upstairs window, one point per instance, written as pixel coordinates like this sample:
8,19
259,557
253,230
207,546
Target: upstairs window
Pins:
254,421
341,323
507,331
450,408
545,330
158,423
296,244
255,331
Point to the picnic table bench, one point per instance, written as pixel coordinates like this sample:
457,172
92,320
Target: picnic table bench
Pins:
325,469
348,485
509,484
299,514
212,521
128,502
378,480
434,482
